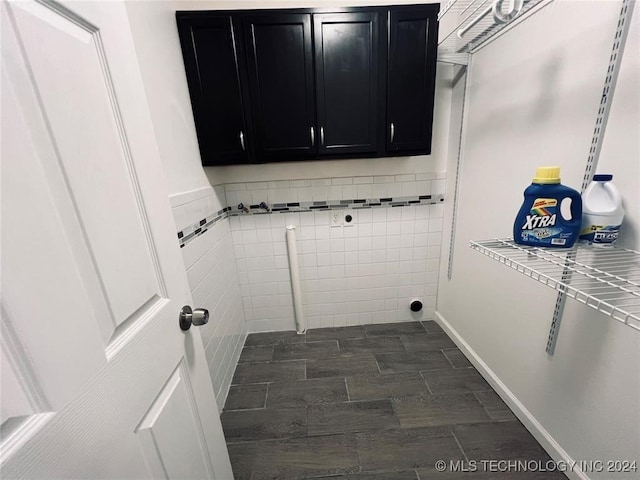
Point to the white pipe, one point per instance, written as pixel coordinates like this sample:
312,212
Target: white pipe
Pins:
294,272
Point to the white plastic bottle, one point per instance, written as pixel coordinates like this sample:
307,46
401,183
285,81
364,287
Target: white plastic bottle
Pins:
602,212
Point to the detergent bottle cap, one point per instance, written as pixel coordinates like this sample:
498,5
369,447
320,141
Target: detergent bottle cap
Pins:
547,175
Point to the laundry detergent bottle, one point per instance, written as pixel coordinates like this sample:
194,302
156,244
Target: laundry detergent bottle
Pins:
540,222
602,212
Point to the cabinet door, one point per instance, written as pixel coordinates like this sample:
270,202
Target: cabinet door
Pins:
413,38
280,67
346,54
213,65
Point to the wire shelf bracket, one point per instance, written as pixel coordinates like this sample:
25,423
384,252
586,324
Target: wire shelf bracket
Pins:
454,58
619,41
605,279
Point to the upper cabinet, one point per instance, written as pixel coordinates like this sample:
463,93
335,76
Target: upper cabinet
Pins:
347,68
282,85
413,41
214,66
280,65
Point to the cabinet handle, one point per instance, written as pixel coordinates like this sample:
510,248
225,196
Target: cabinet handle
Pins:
242,141
393,131
313,137
322,136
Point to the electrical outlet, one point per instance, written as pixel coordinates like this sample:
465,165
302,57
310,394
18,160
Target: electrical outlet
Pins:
336,219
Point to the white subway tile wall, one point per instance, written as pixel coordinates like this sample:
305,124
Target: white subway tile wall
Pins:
213,279
364,272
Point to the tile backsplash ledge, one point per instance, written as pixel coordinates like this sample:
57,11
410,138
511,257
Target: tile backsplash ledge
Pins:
303,196
202,226
189,208
337,188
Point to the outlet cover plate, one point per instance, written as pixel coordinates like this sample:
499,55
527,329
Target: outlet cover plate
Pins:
336,218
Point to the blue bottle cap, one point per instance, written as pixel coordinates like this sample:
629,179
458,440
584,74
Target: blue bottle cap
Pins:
602,178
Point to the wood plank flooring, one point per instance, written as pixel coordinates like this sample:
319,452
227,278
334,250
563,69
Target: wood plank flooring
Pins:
373,402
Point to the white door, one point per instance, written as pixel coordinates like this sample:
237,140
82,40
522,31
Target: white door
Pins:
98,380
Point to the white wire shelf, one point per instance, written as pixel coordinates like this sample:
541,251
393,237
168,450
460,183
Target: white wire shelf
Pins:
606,279
476,32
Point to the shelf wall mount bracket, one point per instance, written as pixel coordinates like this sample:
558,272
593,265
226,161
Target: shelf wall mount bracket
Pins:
604,279
613,69
454,58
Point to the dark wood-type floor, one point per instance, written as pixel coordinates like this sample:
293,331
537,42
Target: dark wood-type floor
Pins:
374,402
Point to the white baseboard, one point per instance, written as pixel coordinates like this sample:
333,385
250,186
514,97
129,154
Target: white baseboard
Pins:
553,448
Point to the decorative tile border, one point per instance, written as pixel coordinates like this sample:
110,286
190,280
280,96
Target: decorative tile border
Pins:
340,204
197,229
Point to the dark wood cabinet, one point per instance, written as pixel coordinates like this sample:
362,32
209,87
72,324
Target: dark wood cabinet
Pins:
346,55
214,66
299,84
280,65
413,37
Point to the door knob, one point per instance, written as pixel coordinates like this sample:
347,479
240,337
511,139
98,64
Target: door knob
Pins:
196,317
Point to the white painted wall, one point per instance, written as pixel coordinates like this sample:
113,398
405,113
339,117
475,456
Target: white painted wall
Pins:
533,99
155,35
